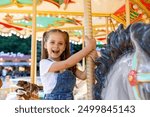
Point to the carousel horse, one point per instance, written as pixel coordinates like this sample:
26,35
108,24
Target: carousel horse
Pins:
27,90
123,70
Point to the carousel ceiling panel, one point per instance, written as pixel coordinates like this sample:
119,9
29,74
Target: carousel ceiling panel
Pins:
139,11
18,3
68,14
98,6
42,21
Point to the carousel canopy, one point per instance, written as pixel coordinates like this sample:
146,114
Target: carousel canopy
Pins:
16,16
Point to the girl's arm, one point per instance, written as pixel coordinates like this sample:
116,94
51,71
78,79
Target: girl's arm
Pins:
80,74
71,61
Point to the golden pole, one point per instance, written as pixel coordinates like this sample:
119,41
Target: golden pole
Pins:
89,62
106,27
34,44
83,44
127,13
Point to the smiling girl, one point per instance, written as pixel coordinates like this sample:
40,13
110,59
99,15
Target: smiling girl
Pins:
58,70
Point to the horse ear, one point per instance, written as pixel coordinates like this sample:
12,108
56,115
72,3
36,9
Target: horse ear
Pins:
136,35
146,41
140,37
120,28
136,32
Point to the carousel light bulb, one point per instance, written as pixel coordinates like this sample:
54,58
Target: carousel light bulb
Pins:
26,15
21,36
114,22
96,29
10,34
59,16
15,21
70,17
38,25
14,32
11,31
24,36
26,21
2,34
80,41
144,16
135,6
109,28
139,11
48,15
75,42
18,34
21,21
147,21
6,35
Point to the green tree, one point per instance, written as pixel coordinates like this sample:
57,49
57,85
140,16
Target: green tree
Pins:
15,44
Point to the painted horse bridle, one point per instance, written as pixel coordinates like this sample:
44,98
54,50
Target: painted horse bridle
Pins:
135,77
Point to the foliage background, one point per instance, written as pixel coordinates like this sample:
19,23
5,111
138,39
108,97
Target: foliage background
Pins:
15,44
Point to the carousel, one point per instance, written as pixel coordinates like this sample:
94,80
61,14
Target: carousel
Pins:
121,29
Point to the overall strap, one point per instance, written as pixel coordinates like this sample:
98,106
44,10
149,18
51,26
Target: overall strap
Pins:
49,59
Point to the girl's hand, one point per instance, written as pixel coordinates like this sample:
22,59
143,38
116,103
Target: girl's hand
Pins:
91,43
93,55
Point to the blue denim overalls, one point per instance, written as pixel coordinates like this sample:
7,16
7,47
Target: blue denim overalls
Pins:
64,87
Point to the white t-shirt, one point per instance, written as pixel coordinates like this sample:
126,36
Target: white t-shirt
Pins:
49,79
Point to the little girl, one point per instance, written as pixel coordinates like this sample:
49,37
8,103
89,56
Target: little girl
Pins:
58,70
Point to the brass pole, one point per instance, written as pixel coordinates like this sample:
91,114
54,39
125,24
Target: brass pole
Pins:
106,26
83,44
89,62
34,44
127,13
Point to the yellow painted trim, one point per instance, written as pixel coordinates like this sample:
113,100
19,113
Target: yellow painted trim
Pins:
127,11
118,19
52,13
71,28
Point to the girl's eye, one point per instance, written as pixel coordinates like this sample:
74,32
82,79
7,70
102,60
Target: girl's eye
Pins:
60,43
52,42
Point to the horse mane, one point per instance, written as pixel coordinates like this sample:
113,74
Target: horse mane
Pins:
119,43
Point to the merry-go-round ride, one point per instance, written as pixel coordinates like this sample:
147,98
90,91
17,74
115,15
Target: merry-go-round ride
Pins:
122,69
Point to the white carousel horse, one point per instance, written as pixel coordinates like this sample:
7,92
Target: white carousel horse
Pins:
128,75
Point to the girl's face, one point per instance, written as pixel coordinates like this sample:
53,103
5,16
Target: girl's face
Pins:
55,45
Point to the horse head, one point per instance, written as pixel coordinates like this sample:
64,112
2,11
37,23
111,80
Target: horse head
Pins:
127,50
